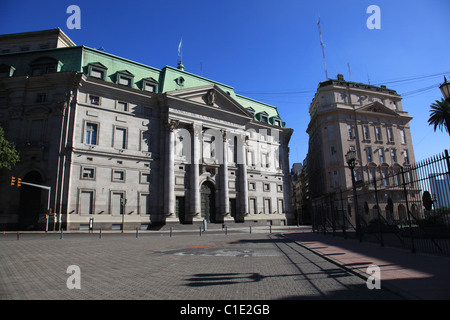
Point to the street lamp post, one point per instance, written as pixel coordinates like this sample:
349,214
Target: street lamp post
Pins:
445,89
350,158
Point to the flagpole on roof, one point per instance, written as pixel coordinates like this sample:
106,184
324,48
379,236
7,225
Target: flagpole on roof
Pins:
180,54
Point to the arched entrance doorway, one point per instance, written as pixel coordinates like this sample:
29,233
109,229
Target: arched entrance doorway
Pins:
30,202
208,201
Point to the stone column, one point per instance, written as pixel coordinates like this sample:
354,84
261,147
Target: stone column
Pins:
242,165
195,171
225,197
169,178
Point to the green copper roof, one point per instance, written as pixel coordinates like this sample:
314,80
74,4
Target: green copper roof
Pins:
79,58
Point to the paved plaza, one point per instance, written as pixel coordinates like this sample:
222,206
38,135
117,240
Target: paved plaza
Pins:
184,266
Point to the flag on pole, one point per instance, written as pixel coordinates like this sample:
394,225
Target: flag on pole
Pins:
179,47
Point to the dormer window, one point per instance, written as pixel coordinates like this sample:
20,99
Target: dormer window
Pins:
276,121
97,70
125,78
45,65
262,116
149,85
251,110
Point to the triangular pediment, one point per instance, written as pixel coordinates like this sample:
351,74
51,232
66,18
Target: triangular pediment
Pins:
377,107
211,97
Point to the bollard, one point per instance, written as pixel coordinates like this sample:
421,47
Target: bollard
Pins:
226,230
137,233
200,228
18,236
61,237
270,227
170,231
100,235
250,229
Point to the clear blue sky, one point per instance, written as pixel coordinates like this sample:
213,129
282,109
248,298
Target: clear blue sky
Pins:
270,50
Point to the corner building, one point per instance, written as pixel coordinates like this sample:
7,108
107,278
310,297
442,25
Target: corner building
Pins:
124,145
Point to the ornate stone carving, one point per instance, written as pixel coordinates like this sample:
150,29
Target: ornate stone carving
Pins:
211,97
172,124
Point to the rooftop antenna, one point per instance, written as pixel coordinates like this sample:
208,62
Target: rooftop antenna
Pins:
349,71
323,50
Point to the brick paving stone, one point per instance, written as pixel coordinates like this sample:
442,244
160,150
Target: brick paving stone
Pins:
257,266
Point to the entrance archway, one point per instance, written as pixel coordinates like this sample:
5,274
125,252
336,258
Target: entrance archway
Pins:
208,201
30,202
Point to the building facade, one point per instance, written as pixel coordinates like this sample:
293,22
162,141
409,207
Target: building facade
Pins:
369,120
123,145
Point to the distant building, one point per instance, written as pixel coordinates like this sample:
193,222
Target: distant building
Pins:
125,145
371,121
440,190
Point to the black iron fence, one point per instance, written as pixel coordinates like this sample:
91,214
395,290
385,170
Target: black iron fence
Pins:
406,206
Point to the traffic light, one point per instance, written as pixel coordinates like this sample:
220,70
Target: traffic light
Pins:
19,182
13,181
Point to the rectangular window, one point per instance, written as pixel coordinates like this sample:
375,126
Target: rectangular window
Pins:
402,136
88,173
36,71
149,87
125,81
90,133
118,175
95,100
117,203
251,186
146,141
381,154
406,155
267,208
390,135
122,106
97,73
335,178
280,206
394,155
266,186
120,138
351,133
41,97
369,154
252,204
86,205
378,134
333,154
366,132
144,203
145,178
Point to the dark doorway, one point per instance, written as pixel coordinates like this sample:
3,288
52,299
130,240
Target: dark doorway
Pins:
208,201
180,209
30,202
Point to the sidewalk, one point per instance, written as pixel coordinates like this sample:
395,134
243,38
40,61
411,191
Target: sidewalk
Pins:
411,275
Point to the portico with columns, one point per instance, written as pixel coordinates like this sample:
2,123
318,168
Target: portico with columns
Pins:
210,139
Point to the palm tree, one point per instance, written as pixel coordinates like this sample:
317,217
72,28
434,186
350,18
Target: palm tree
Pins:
440,115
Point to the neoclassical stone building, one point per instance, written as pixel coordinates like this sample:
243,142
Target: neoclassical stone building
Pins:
371,121
123,145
